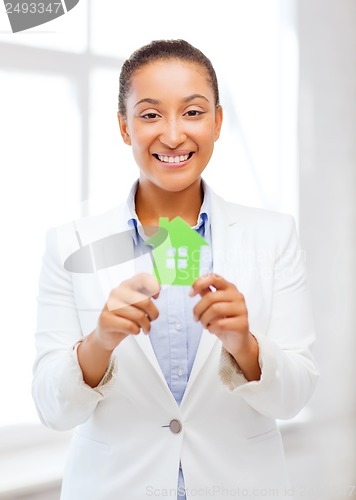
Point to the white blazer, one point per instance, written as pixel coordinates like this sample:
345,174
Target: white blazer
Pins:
229,444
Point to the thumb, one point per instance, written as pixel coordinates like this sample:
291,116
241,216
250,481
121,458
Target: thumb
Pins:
145,283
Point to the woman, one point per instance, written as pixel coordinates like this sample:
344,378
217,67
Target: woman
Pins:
174,391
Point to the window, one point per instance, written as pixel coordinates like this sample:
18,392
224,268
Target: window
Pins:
39,187
61,143
182,260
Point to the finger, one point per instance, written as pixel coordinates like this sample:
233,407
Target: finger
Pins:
144,283
143,303
204,283
123,296
113,324
135,315
237,324
134,290
220,310
222,325
148,307
209,298
227,296
144,308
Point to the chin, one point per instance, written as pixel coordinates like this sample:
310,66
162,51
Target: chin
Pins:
175,186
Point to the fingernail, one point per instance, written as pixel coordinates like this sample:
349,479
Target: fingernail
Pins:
191,292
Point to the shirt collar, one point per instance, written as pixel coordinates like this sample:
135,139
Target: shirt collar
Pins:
133,222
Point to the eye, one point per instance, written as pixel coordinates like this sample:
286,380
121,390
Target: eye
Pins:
150,116
194,112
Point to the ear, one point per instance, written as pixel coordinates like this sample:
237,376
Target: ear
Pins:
218,122
123,129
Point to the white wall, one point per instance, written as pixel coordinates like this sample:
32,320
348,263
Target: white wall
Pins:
327,156
327,135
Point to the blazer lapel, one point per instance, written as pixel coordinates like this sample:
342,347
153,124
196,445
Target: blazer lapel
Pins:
226,249
206,344
145,344
227,240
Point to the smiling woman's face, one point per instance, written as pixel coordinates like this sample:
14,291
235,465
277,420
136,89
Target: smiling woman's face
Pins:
171,123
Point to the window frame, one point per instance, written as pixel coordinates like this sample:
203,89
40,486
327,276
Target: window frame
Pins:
77,68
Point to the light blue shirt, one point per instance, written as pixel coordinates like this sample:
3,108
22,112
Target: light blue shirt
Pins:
174,334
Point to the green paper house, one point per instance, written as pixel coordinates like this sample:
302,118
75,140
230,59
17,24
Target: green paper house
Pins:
177,259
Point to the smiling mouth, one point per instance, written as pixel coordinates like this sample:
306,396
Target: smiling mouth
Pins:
173,159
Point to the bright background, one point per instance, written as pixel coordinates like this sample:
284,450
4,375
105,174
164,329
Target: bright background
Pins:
62,152
285,69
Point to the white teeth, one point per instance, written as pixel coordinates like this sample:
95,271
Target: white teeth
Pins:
173,159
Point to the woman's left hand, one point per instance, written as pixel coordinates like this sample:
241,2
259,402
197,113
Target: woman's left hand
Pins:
222,310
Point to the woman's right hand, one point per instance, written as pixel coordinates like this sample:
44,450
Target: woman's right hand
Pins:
128,309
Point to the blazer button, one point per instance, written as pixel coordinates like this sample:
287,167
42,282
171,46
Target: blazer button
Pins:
175,426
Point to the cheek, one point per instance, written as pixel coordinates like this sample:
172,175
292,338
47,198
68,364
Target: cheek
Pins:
205,132
140,139
207,140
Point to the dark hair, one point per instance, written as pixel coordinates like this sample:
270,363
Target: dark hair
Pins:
163,50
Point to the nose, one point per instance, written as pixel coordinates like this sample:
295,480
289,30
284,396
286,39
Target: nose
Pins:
172,134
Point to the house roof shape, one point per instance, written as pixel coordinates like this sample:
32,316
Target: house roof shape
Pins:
180,234
176,268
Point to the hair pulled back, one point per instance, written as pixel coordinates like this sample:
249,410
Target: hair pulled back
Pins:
163,50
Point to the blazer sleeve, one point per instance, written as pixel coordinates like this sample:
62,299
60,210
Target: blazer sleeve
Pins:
62,398
288,370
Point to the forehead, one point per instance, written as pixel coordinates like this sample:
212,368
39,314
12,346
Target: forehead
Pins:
169,78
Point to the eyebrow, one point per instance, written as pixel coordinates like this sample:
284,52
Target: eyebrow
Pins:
195,96
186,99
147,99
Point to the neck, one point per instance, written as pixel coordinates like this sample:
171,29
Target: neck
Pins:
152,202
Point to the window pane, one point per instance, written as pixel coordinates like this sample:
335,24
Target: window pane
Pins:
39,187
112,168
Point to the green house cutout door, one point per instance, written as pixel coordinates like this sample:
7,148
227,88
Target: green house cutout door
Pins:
177,259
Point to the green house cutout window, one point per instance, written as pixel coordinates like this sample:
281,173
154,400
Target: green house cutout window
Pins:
176,261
